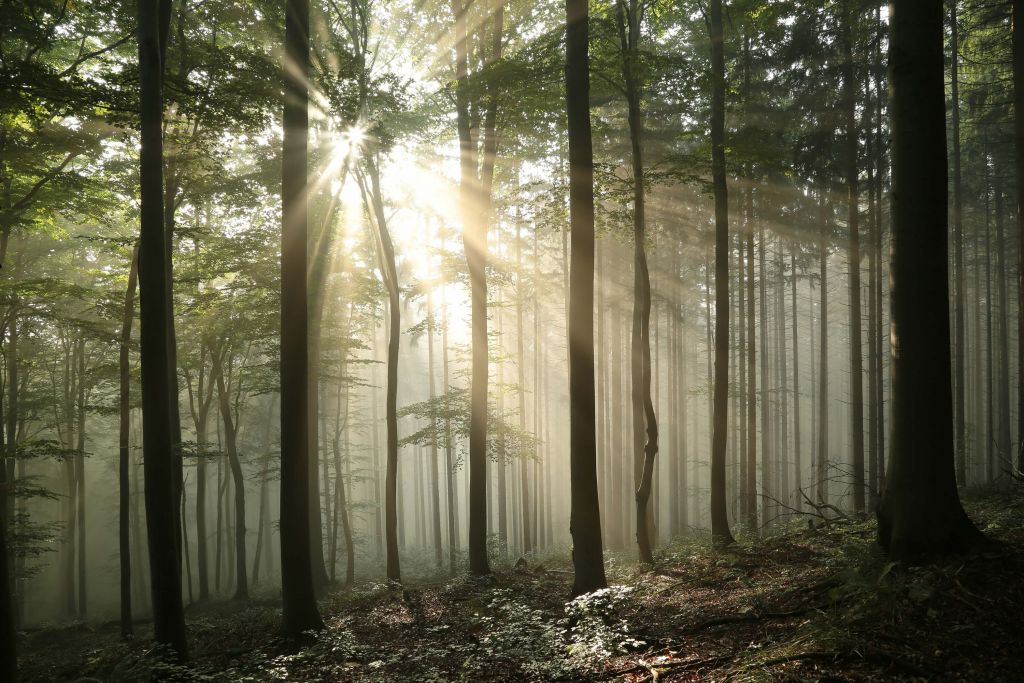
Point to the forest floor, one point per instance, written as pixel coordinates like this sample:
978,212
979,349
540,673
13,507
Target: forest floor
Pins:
799,604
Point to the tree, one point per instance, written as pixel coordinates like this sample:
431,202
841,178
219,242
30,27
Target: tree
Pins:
374,201
124,448
629,17
920,513
475,185
1018,137
720,420
299,612
585,514
161,503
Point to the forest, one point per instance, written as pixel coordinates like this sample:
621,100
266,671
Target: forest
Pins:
497,340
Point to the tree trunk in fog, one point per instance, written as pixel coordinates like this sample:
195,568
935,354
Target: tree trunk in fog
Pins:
261,519
70,508
449,450
767,457
616,533
645,424
124,447
821,461
920,514
852,220
474,200
751,499
873,321
720,422
741,360
585,519
199,404
1002,335
990,441
8,628
524,462
798,466
159,460
959,429
80,479
230,437
435,483
1018,137
298,601
386,251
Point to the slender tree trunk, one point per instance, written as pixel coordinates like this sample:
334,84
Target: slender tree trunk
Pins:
958,256
435,483
645,448
375,203
298,600
821,464
853,220
720,421
80,481
230,436
920,514
798,466
124,447
1002,334
585,520
524,462
1018,137
157,411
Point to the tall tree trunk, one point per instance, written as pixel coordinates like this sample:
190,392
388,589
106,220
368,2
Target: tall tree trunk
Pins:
230,437
124,447
645,424
821,461
959,429
472,197
751,500
798,467
853,220
1018,137
720,421
449,449
435,483
80,480
585,516
298,601
158,433
524,462
920,513
386,250
1002,334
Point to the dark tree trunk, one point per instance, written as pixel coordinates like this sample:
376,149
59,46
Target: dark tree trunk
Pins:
645,424
524,483
158,433
720,421
821,461
920,513
298,600
80,480
959,429
375,202
124,448
1018,137
474,238
853,224
585,516
230,438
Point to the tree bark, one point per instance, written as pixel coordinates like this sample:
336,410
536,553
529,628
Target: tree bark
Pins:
720,422
920,513
585,517
298,600
158,447
124,447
